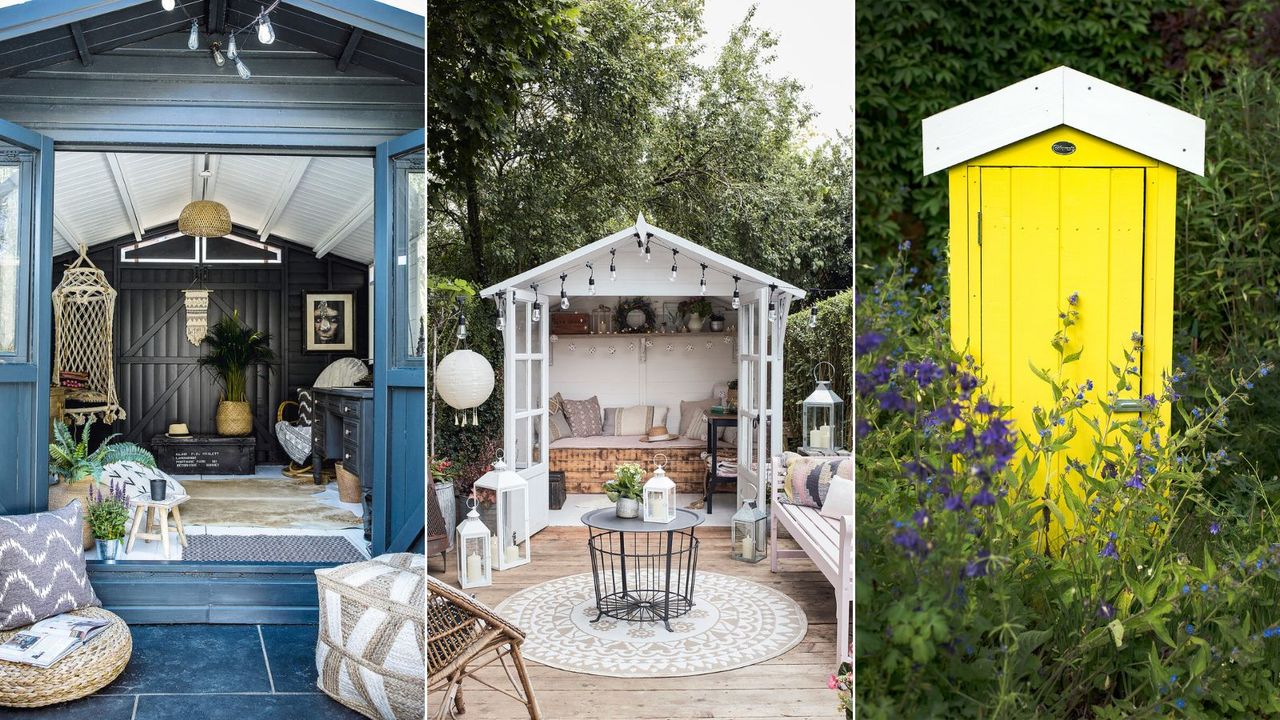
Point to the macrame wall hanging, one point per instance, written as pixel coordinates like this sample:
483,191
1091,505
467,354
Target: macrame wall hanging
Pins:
84,308
197,303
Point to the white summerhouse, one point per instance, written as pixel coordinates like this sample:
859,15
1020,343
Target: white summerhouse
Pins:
641,368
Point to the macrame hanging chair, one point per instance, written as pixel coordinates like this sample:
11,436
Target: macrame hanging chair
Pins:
84,308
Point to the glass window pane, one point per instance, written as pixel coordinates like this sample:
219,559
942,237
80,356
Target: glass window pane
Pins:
408,227
11,254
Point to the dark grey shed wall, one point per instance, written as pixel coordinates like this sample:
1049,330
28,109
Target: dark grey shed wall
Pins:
156,376
158,91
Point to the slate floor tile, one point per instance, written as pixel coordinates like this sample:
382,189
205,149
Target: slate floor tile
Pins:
291,649
193,659
95,707
241,707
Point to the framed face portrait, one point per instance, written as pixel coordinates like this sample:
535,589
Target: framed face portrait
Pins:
330,322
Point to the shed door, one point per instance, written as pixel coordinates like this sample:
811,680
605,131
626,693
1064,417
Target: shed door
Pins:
1045,233
525,413
26,250
754,398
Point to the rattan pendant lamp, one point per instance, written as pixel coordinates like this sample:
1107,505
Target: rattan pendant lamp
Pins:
204,219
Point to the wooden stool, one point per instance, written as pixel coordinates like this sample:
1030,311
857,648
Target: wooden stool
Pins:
157,511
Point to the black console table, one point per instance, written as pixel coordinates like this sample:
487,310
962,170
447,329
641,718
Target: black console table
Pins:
343,431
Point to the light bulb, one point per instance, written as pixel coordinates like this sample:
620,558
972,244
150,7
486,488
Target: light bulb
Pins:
232,50
813,316
462,331
702,286
266,33
674,270
591,286
773,312
613,272
537,311
167,4
218,58
193,40
647,255
502,323
736,302
564,303
243,70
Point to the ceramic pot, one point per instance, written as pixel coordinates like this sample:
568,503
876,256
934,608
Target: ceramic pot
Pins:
627,508
108,550
234,419
695,322
448,508
61,495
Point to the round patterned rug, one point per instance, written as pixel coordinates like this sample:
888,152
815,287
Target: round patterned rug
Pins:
734,623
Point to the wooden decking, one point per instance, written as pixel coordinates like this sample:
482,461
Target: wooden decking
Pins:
792,685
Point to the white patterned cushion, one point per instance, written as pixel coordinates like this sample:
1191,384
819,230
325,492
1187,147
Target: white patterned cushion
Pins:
136,479
371,651
42,567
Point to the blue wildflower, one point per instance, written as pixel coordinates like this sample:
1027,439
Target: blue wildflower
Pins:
1214,528
1073,298
1135,482
1186,589
983,498
1204,587
1191,629
954,503
867,342
1180,703
983,406
1109,551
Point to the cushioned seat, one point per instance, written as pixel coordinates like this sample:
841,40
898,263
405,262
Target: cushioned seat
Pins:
370,654
82,672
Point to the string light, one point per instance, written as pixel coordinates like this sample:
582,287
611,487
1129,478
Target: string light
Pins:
564,299
813,316
218,58
640,242
502,317
193,40
167,4
537,306
242,69
266,33
232,50
674,268
647,255
613,267
702,283
773,308
737,299
591,281
462,322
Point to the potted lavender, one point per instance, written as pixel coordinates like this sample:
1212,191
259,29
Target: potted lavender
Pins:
107,516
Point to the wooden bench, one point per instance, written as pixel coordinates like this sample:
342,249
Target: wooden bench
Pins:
827,542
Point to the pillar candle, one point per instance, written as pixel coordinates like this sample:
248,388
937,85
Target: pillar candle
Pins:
748,548
512,554
493,550
474,570
660,507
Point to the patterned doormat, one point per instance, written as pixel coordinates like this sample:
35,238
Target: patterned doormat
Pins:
734,623
271,548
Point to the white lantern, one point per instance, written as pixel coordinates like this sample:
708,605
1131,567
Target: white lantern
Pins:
659,495
823,416
749,536
474,569
511,494
464,380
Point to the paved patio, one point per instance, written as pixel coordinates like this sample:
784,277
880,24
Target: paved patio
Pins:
209,672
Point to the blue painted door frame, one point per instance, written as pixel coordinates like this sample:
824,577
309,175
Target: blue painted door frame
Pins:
24,374
399,427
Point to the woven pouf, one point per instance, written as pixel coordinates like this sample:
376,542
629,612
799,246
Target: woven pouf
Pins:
370,651
84,671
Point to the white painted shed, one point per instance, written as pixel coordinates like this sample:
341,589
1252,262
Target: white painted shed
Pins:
536,364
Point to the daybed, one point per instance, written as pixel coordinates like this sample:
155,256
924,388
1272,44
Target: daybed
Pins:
826,541
588,462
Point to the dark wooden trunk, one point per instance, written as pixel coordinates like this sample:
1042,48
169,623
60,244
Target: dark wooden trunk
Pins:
205,455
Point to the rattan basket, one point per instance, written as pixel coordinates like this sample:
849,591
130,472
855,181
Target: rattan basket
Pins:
234,419
348,484
83,672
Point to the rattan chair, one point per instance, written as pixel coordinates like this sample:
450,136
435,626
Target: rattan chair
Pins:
464,636
437,531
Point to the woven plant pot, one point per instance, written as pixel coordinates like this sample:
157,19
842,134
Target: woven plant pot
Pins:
61,495
348,484
234,419
82,672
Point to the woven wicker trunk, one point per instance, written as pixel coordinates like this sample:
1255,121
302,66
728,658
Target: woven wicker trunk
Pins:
586,470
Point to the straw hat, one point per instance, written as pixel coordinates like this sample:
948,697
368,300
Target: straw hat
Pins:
658,433
178,430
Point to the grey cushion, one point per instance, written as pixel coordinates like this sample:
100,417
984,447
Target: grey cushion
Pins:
42,567
610,426
584,416
558,426
689,412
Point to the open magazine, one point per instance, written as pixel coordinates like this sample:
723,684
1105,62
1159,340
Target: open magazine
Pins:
51,639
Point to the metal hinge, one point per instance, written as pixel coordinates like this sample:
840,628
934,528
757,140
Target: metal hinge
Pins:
979,228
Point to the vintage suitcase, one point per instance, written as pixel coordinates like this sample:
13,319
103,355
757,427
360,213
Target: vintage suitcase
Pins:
570,323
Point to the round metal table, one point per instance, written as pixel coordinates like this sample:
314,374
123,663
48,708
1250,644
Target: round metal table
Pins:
642,571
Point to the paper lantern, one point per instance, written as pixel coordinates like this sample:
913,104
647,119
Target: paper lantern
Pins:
464,380
511,493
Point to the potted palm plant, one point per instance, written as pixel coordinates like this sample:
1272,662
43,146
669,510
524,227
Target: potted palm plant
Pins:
625,489
76,467
234,347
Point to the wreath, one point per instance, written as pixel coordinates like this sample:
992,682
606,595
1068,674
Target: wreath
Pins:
624,309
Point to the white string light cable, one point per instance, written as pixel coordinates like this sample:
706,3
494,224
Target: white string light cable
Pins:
262,24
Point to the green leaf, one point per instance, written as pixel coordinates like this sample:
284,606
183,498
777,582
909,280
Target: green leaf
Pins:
1117,631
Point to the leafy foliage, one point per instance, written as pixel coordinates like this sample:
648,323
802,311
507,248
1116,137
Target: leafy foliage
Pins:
625,482
831,340
1076,569
108,512
234,347
71,460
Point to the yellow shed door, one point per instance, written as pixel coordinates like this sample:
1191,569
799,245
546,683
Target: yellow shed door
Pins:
1045,233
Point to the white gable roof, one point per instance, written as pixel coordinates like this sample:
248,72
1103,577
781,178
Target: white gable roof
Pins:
1063,96
642,278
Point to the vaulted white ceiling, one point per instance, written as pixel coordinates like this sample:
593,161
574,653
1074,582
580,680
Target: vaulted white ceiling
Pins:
324,203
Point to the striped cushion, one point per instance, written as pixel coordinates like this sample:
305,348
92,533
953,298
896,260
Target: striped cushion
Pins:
42,567
370,654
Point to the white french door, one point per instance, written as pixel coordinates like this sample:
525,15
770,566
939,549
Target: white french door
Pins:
760,341
524,443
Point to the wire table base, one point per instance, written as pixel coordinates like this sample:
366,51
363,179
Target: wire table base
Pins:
642,572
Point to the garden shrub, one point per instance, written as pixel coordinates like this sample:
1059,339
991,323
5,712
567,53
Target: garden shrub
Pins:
831,340
1146,604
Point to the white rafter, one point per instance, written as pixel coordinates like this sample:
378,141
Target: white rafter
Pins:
348,226
211,182
72,237
126,199
297,169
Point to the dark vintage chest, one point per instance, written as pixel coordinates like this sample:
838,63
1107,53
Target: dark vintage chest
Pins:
204,455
